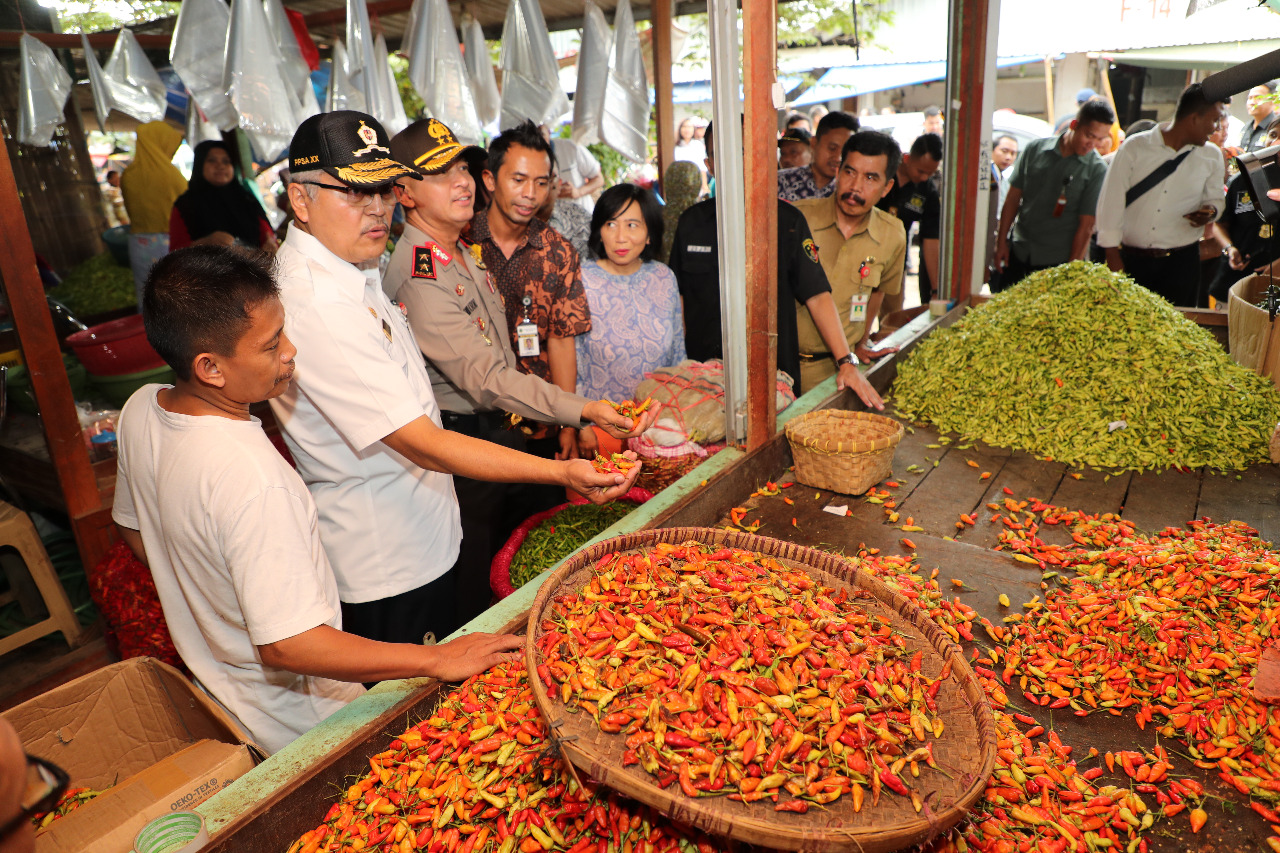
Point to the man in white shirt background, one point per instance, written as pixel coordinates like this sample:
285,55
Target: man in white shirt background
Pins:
228,529
360,418
579,171
1162,188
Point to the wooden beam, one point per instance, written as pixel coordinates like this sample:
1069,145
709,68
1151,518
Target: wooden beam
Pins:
760,167
967,156
41,352
103,40
664,112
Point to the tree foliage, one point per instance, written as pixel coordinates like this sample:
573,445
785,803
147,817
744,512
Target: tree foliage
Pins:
91,16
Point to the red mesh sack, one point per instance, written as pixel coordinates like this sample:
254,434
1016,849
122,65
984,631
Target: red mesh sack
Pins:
125,594
500,566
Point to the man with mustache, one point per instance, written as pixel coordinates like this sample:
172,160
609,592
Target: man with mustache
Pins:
227,528
459,323
863,249
361,419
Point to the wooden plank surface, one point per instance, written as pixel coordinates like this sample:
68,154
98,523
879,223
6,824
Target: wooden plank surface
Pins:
1154,499
1253,498
1026,478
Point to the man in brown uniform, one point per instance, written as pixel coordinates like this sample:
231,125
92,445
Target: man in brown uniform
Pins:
862,249
459,323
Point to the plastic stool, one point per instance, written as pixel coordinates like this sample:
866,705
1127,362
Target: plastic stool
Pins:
16,530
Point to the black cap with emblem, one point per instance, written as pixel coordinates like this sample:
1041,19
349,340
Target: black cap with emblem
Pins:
430,147
350,146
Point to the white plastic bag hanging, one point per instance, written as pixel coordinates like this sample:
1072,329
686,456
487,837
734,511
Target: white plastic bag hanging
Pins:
198,53
199,128
102,101
136,89
43,87
342,94
530,76
593,72
264,102
624,124
359,63
394,119
292,65
484,83
437,70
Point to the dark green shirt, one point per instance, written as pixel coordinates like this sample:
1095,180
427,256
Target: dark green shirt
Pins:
1042,173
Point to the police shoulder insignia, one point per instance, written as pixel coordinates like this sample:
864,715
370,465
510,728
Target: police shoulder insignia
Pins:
477,255
810,249
424,265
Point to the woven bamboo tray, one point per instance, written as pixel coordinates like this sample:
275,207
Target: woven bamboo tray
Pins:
966,750
844,451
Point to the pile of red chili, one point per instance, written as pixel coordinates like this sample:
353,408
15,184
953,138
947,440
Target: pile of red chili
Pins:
479,775
1170,626
71,800
732,674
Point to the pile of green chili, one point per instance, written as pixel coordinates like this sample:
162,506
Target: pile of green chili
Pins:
1083,366
560,535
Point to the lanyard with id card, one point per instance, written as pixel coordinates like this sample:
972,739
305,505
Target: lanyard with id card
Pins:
858,304
527,332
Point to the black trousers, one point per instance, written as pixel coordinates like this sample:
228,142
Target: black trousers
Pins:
490,511
1016,270
1175,276
409,616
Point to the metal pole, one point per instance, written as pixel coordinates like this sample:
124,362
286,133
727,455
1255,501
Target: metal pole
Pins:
973,27
722,18
760,70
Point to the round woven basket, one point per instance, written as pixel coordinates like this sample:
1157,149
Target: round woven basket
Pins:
966,751
846,452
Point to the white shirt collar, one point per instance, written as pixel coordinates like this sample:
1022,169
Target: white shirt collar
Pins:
313,250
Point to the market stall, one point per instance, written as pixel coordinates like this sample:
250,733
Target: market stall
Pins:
958,500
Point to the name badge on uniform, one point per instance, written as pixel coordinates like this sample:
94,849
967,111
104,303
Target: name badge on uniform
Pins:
386,329
527,339
858,308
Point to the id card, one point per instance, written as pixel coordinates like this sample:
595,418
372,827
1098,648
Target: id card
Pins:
858,308
527,339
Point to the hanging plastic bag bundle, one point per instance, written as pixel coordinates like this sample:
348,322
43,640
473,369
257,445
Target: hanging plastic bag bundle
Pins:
43,87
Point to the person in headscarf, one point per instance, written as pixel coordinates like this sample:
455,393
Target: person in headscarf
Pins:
682,184
217,209
150,185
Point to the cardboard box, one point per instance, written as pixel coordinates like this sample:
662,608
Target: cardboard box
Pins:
140,729
1253,337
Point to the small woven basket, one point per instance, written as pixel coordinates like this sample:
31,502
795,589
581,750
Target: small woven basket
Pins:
844,451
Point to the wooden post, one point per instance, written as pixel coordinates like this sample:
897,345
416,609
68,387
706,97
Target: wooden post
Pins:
662,90
1048,89
760,167
48,377
971,49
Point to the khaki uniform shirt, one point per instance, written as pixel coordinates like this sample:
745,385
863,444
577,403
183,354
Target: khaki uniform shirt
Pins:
872,259
459,323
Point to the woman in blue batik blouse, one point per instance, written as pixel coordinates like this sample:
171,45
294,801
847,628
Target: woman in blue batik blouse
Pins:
636,324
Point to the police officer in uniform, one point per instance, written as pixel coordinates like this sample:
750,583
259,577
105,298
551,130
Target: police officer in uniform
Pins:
459,323
1247,240
914,198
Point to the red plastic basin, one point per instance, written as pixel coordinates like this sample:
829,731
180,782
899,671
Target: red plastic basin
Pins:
114,348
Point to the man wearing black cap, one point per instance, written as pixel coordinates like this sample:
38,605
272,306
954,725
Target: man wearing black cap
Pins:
360,419
794,150
460,325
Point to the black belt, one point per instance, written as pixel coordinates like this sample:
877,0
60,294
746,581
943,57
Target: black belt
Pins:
1154,253
474,424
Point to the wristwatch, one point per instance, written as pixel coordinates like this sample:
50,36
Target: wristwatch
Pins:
847,358
1228,249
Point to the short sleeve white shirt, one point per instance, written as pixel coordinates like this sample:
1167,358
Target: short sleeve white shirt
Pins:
232,538
387,525
577,166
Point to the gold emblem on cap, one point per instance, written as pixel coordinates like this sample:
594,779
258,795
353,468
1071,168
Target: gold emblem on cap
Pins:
369,137
437,130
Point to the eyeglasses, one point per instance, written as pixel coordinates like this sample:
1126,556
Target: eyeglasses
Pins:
46,783
357,197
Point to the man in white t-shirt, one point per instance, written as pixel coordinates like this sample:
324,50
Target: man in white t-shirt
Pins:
229,530
360,418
